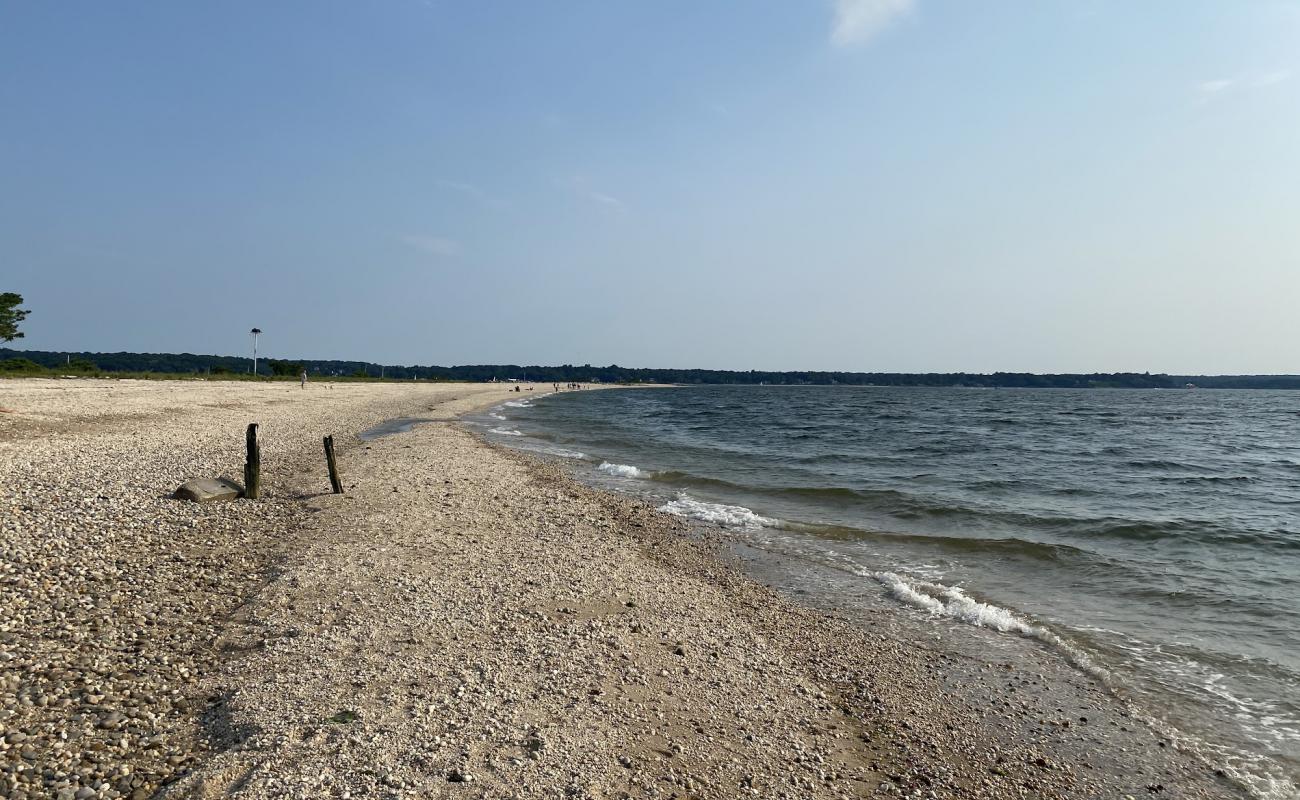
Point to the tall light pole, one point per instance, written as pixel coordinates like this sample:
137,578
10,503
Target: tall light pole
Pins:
255,332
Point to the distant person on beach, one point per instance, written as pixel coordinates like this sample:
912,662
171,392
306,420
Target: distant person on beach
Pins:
303,378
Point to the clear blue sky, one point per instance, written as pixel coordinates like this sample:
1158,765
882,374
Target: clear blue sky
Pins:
862,185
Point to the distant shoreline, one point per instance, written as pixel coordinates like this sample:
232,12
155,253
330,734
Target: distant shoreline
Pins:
189,365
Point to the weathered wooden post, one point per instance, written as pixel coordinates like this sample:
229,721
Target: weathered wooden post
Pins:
335,483
253,464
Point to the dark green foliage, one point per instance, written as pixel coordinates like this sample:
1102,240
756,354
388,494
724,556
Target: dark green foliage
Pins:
20,365
291,368
80,365
183,363
11,315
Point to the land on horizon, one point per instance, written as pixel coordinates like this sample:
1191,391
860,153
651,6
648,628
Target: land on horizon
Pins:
22,362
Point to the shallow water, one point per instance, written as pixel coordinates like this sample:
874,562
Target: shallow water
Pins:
391,426
1152,538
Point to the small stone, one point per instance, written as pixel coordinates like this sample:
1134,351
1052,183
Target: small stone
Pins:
209,490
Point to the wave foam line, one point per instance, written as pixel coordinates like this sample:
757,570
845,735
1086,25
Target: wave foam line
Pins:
562,453
952,602
506,432
621,470
716,513
1254,773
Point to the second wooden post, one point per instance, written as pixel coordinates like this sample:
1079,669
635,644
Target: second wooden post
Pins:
253,464
335,483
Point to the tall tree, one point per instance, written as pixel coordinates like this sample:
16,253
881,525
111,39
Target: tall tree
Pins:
11,315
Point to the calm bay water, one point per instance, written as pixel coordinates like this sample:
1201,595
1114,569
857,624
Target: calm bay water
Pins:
1152,538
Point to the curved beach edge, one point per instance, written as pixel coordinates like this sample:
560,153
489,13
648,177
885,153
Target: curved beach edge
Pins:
469,619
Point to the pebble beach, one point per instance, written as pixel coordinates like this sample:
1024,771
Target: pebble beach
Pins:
464,621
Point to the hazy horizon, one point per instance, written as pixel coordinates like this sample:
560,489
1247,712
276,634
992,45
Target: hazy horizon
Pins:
262,359
850,185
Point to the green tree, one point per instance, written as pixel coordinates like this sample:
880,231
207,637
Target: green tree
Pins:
11,315
285,368
84,365
20,365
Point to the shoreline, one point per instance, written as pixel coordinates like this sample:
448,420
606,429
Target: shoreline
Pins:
470,619
1113,751
985,525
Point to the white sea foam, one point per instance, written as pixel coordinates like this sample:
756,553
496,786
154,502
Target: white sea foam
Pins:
1253,772
954,603
519,404
620,470
495,415
506,432
562,453
716,513
951,601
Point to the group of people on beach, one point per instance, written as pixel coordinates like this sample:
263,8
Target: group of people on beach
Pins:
556,386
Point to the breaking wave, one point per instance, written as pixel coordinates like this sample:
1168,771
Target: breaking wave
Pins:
952,602
620,470
717,513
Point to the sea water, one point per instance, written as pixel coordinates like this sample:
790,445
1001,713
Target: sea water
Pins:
1151,538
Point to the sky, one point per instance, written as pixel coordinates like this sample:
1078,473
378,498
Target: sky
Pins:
874,185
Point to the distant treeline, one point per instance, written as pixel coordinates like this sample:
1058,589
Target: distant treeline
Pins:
188,363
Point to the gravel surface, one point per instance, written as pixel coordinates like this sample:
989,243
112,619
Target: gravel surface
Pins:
464,622
112,595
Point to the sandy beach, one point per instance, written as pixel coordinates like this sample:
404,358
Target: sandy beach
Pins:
464,622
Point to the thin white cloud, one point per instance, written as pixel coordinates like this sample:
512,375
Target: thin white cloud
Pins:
464,188
583,188
432,245
1207,91
469,190
1216,86
604,199
1271,78
859,21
